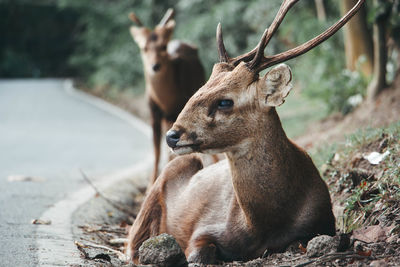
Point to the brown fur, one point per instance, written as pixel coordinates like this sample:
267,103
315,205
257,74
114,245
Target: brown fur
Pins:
151,219
168,88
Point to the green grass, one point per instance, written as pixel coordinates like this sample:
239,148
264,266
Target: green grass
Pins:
298,112
365,191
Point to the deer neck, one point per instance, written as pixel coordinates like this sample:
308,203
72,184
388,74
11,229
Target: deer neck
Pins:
161,85
259,169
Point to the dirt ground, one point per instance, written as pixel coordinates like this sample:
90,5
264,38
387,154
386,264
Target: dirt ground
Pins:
370,246
383,111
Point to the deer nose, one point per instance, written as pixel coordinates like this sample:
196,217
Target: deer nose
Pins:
172,137
156,67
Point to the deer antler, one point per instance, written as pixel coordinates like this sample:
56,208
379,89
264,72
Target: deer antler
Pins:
259,61
223,56
135,19
167,17
266,37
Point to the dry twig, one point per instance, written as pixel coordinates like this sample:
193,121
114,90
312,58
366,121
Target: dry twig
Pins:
81,247
334,256
115,204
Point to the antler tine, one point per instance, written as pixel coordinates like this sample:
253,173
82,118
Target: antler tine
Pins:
284,8
168,15
223,56
270,31
135,19
301,49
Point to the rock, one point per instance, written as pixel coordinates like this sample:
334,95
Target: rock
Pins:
379,263
358,246
162,251
343,243
322,245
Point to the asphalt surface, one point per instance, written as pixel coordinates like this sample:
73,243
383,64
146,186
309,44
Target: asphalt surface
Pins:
50,135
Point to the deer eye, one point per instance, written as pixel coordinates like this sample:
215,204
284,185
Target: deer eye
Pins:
225,104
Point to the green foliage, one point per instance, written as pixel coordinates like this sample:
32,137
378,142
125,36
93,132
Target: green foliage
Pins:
106,56
34,39
322,72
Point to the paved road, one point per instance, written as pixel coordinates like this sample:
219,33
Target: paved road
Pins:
50,134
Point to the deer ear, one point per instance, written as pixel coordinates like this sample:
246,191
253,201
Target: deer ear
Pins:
169,28
139,34
275,86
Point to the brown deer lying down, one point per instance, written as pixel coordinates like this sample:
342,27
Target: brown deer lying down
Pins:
172,70
267,194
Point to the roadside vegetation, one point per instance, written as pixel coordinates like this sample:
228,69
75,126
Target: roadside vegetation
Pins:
99,50
365,187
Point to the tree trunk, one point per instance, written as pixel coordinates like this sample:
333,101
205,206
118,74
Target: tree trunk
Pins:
378,82
357,39
321,14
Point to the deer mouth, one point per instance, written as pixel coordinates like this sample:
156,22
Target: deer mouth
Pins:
186,148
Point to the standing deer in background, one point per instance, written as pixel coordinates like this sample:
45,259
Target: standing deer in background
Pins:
267,194
173,73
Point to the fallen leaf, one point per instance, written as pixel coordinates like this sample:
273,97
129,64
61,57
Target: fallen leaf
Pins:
365,253
25,178
123,224
39,221
79,244
370,234
303,249
375,157
336,157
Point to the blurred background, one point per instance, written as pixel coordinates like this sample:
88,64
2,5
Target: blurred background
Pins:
347,83
90,41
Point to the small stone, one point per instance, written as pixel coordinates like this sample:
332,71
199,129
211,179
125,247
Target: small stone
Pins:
322,245
358,246
378,263
162,251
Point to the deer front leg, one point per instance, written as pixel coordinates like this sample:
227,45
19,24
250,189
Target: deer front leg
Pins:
156,117
202,248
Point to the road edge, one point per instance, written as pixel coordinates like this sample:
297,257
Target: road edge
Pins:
56,241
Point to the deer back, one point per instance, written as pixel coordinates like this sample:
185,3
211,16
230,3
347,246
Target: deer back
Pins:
188,70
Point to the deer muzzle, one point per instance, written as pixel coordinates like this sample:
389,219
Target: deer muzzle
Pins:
156,67
172,138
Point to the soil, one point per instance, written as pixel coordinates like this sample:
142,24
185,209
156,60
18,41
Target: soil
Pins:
382,250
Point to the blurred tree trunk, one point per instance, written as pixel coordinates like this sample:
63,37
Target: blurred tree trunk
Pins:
378,82
321,14
357,39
